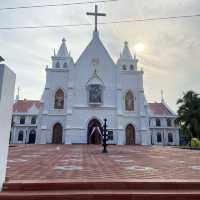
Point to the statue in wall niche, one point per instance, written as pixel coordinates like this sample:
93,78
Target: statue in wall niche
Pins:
59,99
129,101
95,94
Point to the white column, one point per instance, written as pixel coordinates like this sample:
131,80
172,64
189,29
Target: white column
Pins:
120,101
69,100
7,85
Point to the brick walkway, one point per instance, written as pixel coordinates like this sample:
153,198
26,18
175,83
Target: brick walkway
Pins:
36,162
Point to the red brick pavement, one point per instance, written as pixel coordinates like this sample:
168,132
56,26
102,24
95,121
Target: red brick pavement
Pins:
42,162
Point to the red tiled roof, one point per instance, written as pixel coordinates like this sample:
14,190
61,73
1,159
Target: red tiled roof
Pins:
159,109
24,105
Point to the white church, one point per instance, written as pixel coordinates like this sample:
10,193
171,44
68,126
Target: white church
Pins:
79,95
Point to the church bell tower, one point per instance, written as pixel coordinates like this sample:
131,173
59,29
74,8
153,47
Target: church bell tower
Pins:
126,61
62,59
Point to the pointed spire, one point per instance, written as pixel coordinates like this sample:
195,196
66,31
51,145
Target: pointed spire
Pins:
62,52
126,54
162,97
17,96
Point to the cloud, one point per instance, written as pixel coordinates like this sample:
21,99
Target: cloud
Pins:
170,59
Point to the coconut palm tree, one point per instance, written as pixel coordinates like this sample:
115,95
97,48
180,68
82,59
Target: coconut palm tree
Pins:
189,114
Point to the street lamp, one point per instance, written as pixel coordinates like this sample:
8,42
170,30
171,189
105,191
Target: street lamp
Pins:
105,137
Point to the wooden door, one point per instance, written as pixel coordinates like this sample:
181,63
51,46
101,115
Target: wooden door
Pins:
130,135
57,134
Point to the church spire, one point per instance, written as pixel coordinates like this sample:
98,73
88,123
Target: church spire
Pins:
63,52
62,59
162,97
126,54
17,96
126,61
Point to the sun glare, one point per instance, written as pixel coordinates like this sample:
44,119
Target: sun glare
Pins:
139,47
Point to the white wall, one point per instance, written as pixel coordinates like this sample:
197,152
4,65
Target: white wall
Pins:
7,83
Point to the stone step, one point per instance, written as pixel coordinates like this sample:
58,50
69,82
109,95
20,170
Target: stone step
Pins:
102,195
151,184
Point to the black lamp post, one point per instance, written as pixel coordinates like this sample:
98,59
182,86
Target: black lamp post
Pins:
105,137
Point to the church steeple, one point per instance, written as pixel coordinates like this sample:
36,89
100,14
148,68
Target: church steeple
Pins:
63,52
17,96
62,58
126,54
126,61
162,97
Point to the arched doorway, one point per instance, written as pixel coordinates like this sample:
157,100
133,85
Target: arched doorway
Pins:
57,134
130,135
94,136
32,137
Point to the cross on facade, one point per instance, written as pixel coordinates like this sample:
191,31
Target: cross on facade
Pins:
96,14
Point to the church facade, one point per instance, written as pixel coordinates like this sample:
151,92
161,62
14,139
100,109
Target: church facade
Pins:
79,95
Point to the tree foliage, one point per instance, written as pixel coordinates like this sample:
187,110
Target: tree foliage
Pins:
189,114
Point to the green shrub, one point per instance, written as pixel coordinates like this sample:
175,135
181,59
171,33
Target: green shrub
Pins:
195,142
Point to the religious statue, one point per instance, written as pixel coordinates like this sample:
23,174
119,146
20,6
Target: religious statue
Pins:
95,94
59,99
129,101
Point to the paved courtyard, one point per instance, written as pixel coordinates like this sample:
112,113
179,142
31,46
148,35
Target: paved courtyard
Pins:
40,162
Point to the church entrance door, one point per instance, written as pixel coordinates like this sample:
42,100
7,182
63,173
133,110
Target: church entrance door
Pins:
94,129
130,135
57,134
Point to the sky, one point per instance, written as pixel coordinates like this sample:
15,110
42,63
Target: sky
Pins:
170,59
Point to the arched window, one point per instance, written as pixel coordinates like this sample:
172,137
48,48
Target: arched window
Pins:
65,65
169,122
21,136
159,138
124,67
129,101
59,99
33,120
170,137
158,122
131,67
57,65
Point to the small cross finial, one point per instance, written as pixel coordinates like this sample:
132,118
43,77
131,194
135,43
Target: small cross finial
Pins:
63,40
96,14
162,96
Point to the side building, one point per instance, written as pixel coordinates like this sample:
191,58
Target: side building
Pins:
24,122
162,124
25,118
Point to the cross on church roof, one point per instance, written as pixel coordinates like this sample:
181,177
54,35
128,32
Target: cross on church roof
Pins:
96,14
